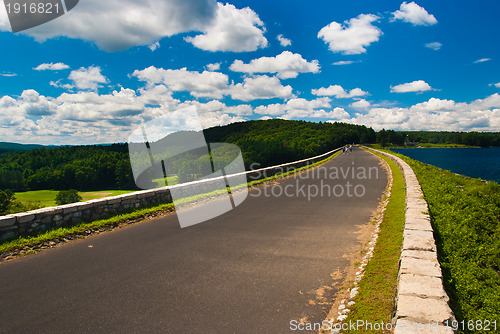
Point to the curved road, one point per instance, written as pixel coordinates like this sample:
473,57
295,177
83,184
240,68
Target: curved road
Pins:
253,270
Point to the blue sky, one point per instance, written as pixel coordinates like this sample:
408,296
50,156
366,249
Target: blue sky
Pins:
96,73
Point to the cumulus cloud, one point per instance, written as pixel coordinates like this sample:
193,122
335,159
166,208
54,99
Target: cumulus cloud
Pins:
283,41
286,65
482,60
115,25
436,115
260,87
353,36
302,108
414,14
338,92
215,84
415,86
204,84
233,29
434,105
497,85
51,67
213,67
434,46
89,78
87,117
361,104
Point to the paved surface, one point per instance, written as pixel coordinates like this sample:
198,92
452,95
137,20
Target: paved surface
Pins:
252,270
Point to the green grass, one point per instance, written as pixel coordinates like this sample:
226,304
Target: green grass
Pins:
47,198
169,180
375,300
465,216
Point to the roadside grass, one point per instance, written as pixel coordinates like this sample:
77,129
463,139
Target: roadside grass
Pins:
465,215
377,289
60,233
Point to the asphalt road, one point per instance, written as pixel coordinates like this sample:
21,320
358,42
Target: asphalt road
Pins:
252,270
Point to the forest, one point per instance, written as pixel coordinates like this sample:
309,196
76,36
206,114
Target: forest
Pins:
476,139
267,142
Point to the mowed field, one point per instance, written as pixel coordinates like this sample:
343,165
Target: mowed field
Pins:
47,198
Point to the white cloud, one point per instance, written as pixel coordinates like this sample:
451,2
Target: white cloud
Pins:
51,67
414,14
353,36
338,92
286,65
482,60
434,46
115,25
283,40
204,84
302,108
436,115
215,84
361,104
260,87
336,114
233,29
87,117
58,84
8,74
213,67
415,86
434,105
155,46
345,62
492,101
89,78
497,85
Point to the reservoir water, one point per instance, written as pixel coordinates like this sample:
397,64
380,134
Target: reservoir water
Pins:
481,163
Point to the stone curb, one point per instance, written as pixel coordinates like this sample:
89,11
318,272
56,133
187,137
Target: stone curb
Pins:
421,301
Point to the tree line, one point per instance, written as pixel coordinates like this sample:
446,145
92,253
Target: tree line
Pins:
399,138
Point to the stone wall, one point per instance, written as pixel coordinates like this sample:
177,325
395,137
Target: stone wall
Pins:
36,221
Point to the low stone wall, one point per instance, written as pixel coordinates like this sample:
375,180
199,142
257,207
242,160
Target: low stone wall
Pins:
421,302
36,221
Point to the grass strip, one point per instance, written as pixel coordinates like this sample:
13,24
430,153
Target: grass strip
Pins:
62,232
374,302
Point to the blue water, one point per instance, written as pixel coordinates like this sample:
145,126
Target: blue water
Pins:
481,163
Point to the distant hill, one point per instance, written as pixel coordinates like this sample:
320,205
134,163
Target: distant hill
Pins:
14,147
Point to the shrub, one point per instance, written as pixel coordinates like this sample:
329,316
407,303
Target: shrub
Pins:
68,196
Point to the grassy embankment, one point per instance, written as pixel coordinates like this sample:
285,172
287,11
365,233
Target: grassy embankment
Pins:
375,300
62,232
465,216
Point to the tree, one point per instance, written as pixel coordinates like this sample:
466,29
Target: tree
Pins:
6,198
68,196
